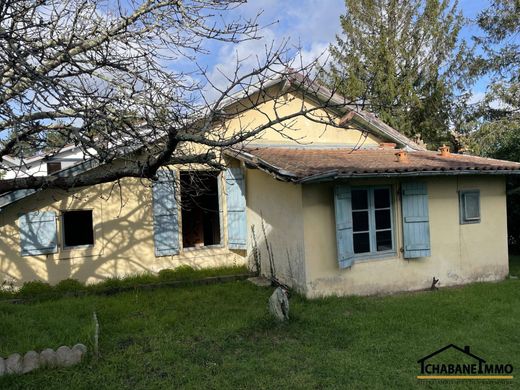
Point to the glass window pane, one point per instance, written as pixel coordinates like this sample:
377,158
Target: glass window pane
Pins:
359,199
471,206
384,241
361,242
381,198
383,219
360,221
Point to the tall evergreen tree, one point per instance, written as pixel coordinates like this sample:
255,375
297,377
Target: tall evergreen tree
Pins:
498,115
397,58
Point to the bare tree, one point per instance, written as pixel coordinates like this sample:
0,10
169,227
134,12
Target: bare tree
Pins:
99,74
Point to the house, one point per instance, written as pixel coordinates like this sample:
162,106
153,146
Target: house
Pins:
356,208
43,163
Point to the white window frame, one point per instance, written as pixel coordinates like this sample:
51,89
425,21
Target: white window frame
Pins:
372,231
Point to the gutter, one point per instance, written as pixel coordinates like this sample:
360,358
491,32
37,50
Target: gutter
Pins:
333,175
273,170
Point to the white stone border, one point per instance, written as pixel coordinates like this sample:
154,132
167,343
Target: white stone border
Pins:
62,357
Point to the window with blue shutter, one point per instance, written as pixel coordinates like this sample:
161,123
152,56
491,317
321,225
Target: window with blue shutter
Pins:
416,226
165,214
343,214
236,209
469,206
38,233
364,223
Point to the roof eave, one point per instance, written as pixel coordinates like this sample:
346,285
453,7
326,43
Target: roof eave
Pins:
334,175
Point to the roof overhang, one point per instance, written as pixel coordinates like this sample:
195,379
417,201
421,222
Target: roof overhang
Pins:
284,174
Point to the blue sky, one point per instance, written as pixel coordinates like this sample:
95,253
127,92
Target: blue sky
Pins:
312,24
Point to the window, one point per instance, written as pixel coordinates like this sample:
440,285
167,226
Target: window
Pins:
200,209
53,167
372,220
77,228
469,206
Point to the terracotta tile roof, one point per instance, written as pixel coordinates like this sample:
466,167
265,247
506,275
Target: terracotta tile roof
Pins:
308,164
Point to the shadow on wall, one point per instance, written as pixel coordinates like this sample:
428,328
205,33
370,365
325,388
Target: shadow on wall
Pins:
123,237
276,255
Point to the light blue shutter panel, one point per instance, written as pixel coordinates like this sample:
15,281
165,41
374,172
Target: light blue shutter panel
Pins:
416,226
38,233
165,214
236,208
344,238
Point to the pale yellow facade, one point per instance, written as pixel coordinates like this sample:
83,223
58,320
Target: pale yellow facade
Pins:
293,225
460,253
123,237
299,131
301,230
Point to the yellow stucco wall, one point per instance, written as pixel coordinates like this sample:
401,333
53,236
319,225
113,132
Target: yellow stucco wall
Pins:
299,130
298,221
123,237
279,206
460,253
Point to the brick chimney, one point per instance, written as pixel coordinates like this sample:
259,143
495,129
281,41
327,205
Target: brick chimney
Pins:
402,156
445,151
387,145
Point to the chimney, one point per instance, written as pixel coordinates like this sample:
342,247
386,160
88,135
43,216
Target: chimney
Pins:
402,156
387,145
445,151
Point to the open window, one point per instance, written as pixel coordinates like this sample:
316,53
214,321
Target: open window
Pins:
77,228
200,209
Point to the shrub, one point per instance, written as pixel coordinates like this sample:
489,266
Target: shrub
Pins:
69,286
34,289
107,284
138,280
183,272
166,274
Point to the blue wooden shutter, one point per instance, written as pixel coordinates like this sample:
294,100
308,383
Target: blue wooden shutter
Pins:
343,211
165,214
38,233
236,209
416,227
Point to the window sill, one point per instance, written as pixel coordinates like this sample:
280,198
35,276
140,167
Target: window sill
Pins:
201,248
388,255
77,252
469,222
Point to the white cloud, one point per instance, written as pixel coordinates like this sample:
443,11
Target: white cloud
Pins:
310,25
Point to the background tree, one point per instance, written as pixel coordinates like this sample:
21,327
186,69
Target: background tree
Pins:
397,58
498,114
495,121
122,80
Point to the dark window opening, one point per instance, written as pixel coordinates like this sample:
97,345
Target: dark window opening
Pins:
53,167
200,209
372,220
77,228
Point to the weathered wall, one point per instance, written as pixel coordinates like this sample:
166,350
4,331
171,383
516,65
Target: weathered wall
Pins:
123,235
279,205
299,130
460,253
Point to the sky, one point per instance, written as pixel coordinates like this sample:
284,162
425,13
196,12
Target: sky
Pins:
311,24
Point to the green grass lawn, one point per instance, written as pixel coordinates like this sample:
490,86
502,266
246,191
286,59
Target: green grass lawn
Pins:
220,336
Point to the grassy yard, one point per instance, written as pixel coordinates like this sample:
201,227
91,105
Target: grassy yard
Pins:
220,336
